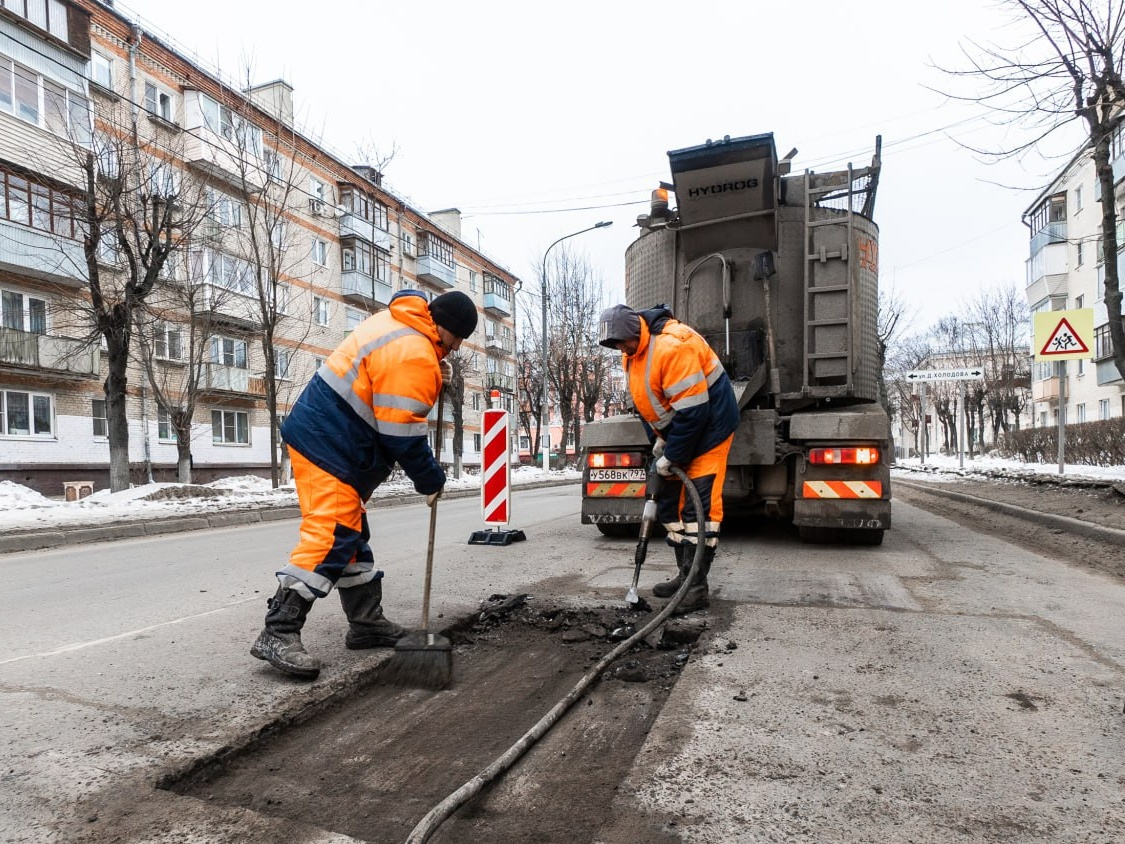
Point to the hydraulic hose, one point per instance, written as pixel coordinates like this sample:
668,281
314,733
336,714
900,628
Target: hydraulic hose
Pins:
443,810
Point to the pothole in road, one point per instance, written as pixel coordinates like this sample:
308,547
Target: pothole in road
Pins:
374,765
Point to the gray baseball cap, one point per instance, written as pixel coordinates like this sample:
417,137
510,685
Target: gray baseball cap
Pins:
617,324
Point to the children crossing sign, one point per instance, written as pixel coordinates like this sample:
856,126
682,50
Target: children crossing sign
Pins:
1064,335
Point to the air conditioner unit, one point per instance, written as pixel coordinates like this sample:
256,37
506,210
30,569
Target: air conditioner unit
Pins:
316,206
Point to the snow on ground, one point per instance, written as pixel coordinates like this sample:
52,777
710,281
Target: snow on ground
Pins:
23,509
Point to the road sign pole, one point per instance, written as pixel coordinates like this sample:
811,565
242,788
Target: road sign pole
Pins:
923,428
1062,417
961,426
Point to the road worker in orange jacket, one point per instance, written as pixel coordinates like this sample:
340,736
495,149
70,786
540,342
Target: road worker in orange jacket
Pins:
686,401
364,411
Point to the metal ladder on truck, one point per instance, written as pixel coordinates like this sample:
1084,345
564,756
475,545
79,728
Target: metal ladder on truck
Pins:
830,324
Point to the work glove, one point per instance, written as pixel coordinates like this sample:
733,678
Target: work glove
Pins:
658,448
432,498
663,466
446,373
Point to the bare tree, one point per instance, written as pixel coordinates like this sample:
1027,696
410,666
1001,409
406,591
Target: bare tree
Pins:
135,209
999,318
1066,68
574,302
529,379
464,365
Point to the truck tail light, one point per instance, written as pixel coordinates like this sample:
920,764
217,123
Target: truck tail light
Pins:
614,459
863,456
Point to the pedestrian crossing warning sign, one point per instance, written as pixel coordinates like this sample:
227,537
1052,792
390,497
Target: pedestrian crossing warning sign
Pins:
1064,335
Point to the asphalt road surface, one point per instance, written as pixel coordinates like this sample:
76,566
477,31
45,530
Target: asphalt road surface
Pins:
948,686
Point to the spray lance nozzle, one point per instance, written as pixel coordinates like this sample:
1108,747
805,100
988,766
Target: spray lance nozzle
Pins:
648,520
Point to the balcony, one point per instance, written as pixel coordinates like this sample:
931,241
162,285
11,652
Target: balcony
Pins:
353,225
40,254
362,289
435,272
498,381
497,304
43,351
215,155
1107,374
232,308
1047,274
1052,233
1046,390
498,344
216,378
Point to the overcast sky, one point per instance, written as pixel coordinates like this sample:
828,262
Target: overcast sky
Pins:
511,111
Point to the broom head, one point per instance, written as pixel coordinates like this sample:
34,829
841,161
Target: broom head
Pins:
421,659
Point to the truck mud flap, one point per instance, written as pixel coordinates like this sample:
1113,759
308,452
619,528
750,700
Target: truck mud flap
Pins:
850,514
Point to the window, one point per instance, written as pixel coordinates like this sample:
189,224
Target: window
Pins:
437,248
473,280
476,443
101,70
320,310
320,252
1078,255
1103,408
379,218
223,270
37,205
226,351
164,430
168,342
224,210
1103,343
476,401
282,297
45,14
42,102
497,287
23,313
224,122
97,415
407,243
382,266
281,358
1078,198
230,427
158,102
278,234
26,414
354,318
1080,413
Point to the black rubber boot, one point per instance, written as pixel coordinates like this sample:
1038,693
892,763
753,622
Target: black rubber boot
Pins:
697,594
670,587
367,626
279,643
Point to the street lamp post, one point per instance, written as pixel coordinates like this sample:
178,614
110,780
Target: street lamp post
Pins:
544,433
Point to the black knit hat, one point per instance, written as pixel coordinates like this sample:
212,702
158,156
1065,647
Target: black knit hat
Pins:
455,312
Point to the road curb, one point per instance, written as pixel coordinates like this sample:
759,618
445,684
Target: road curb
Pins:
80,535
1087,529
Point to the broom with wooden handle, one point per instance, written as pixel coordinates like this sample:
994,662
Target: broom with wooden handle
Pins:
421,658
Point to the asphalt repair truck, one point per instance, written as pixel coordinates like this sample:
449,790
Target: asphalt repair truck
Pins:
779,271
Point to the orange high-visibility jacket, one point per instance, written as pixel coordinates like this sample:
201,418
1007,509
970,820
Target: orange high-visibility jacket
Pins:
679,387
366,408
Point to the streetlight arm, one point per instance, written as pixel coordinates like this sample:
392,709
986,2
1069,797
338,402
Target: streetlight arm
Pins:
545,425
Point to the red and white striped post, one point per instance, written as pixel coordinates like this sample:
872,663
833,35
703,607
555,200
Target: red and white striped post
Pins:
496,472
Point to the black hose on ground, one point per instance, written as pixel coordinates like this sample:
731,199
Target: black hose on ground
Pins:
443,810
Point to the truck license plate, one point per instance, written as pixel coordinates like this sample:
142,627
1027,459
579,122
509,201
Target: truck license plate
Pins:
603,475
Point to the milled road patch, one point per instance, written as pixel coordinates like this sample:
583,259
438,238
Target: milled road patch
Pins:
374,765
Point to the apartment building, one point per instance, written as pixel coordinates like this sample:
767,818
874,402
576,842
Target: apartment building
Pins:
276,248
1065,270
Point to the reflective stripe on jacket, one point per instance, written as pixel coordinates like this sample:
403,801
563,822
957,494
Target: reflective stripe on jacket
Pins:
365,409
679,387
